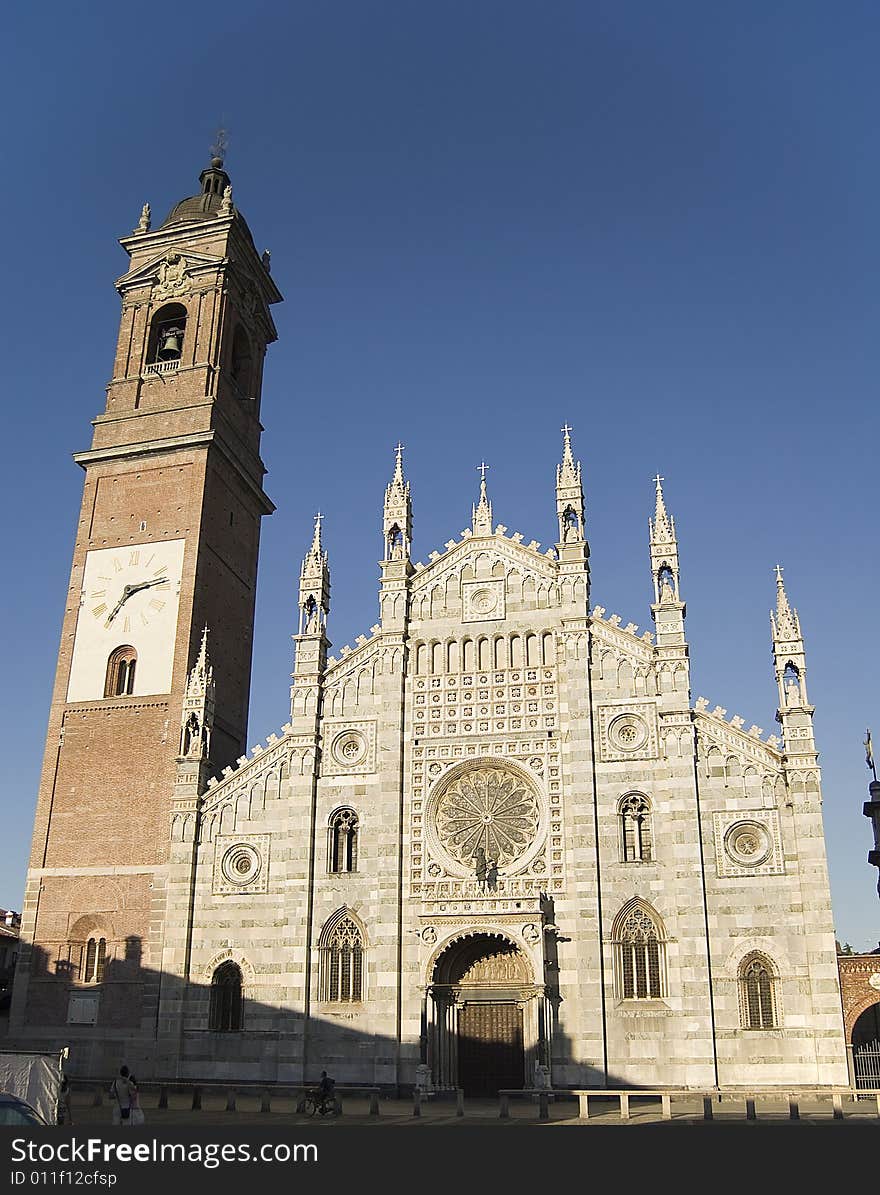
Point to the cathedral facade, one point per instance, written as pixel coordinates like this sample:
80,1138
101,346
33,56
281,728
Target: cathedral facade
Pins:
494,845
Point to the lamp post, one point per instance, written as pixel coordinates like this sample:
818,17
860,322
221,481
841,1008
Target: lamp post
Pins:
871,808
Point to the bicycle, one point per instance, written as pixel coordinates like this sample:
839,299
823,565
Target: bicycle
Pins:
324,1104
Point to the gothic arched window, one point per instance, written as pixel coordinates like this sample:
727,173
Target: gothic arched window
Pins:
636,837
342,960
224,1014
757,997
119,681
343,847
94,960
165,343
639,954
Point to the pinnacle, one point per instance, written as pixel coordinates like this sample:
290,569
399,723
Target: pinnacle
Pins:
569,472
786,624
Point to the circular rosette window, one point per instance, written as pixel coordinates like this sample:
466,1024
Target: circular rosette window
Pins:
349,748
628,732
748,844
490,808
241,864
484,601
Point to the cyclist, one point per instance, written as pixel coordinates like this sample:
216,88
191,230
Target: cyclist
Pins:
325,1093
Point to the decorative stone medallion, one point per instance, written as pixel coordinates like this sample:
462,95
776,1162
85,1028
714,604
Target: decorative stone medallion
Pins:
748,844
628,731
483,601
489,807
350,747
241,864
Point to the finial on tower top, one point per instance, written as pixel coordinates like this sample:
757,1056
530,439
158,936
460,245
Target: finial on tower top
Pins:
398,464
786,625
316,541
219,148
482,517
778,569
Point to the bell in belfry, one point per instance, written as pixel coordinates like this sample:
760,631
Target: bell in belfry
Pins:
170,346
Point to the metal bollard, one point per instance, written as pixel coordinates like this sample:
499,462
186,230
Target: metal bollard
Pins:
417,1102
503,1106
837,1106
666,1107
98,1099
750,1110
459,1102
197,1099
543,1106
374,1103
266,1101
230,1100
163,1098
707,1107
583,1105
794,1111
624,1105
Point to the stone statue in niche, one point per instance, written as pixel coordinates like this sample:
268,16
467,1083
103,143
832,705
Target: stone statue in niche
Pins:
793,693
192,735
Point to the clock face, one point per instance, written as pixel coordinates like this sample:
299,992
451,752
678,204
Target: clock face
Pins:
130,599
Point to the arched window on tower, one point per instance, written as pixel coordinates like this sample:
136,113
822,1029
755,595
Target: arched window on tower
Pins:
242,362
570,525
224,1014
342,960
165,342
343,845
757,996
395,543
119,681
636,837
639,954
94,960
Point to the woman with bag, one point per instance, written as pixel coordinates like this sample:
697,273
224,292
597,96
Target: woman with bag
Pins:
120,1094
137,1112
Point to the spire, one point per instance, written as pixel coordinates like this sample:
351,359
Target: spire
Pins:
482,512
664,550
569,472
663,527
397,514
790,663
314,585
197,717
569,495
201,678
786,624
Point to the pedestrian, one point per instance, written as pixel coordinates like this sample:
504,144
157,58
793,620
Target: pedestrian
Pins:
65,1116
120,1095
137,1112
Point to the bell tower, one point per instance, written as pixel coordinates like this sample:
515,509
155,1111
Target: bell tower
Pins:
166,544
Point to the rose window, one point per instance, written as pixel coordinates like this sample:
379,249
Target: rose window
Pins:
492,809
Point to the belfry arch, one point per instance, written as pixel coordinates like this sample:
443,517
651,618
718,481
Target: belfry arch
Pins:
486,1019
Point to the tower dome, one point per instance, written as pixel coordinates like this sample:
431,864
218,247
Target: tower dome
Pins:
206,205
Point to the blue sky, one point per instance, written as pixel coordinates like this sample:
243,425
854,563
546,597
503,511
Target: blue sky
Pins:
655,222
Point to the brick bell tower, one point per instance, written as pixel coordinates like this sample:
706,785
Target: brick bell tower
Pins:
166,546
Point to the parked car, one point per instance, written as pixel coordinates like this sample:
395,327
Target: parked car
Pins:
15,1111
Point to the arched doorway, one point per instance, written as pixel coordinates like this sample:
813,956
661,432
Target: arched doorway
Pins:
866,1047
486,1016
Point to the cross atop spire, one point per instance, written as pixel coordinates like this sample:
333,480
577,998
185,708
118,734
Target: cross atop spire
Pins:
568,473
482,516
316,541
663,526
786,624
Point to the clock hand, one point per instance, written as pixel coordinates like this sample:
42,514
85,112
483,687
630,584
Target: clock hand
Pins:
126,594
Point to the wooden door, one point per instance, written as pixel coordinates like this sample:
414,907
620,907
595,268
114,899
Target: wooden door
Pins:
490,1047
